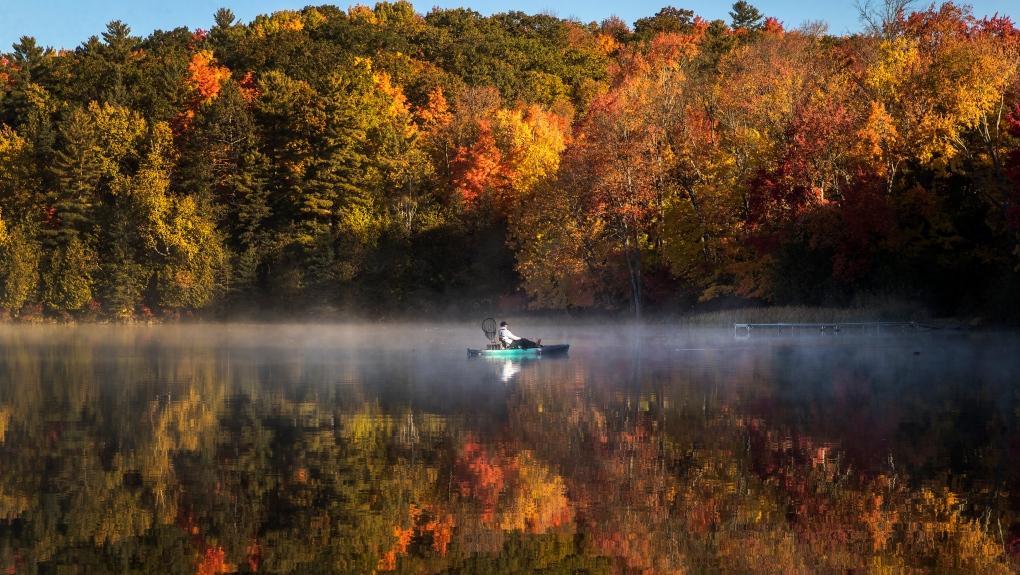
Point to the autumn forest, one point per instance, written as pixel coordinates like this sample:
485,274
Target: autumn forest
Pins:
381,160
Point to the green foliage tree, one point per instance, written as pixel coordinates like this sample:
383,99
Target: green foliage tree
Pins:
19,269
68,281
744,16
666,20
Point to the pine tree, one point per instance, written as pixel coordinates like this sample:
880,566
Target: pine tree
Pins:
123,277
744,16
77,171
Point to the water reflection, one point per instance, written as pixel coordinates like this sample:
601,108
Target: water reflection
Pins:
342,450
510,369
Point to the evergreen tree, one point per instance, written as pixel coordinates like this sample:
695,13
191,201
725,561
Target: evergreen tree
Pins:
338,207
744,16
31,59
123,275
78,172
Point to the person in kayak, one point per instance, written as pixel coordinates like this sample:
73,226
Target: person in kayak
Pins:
511,341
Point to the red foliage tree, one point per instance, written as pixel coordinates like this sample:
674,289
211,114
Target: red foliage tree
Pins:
478,167
773,27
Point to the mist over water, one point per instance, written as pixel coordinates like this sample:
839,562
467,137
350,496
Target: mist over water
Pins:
383,447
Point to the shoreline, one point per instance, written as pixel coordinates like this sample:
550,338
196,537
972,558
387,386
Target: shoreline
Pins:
694,320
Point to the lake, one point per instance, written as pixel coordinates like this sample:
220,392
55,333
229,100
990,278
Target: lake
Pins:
384,448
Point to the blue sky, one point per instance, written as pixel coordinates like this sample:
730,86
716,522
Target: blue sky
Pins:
67,23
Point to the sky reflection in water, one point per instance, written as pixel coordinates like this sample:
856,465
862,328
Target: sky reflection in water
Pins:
359,449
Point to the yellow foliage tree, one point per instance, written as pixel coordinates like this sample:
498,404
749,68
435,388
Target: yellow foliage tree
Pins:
182,241
927,87
531,140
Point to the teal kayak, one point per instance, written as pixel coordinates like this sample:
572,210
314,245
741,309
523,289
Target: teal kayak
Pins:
535,351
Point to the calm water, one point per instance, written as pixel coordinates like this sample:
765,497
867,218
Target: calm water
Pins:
368,449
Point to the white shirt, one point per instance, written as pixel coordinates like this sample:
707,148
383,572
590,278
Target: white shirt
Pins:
506,336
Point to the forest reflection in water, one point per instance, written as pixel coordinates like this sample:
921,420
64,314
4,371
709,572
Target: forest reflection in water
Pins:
361,449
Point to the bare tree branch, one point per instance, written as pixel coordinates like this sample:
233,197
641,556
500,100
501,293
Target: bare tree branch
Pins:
881,17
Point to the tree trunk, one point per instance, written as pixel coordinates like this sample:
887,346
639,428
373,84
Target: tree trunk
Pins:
633,256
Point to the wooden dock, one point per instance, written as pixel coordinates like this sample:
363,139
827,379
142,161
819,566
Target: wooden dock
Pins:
872,327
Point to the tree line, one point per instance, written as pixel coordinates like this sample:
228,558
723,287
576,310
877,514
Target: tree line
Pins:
384,161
